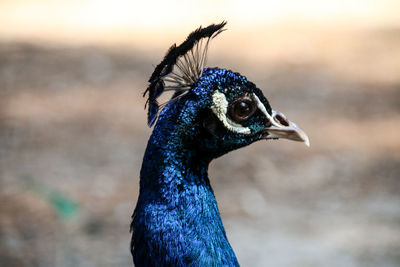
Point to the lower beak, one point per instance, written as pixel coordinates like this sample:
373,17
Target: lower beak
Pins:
284,128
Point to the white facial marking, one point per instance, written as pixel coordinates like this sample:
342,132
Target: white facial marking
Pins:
220,109
261,106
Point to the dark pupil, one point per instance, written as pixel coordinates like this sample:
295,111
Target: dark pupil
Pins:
242,109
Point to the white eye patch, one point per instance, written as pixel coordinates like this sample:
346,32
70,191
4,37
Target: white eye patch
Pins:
220,109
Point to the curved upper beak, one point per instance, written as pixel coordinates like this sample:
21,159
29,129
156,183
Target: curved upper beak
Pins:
281,127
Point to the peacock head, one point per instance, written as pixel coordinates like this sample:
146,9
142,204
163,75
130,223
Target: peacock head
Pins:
214,110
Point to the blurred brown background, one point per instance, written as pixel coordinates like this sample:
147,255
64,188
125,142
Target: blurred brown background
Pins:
73,128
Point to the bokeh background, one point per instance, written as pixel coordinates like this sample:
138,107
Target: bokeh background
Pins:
73,128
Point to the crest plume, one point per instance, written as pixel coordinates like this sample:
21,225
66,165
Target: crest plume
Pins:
181,67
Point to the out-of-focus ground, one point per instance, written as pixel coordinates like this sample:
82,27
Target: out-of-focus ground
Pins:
73,132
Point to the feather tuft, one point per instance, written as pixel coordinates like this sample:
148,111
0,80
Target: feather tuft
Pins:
180,69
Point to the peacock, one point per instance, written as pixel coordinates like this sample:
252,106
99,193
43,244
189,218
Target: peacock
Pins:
212,111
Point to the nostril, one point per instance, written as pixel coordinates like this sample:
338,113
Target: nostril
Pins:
280,119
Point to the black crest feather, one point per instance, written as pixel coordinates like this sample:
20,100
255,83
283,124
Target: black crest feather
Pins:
180,68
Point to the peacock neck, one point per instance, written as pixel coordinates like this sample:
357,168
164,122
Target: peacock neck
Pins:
178,203
170,168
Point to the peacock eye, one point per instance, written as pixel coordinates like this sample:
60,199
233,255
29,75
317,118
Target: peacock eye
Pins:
241,108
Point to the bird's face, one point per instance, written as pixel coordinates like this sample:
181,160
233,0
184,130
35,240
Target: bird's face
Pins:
235,113
213,110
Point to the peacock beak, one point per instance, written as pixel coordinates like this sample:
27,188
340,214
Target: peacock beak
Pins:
281,127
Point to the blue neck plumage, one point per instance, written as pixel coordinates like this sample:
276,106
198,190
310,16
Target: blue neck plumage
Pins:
176,220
